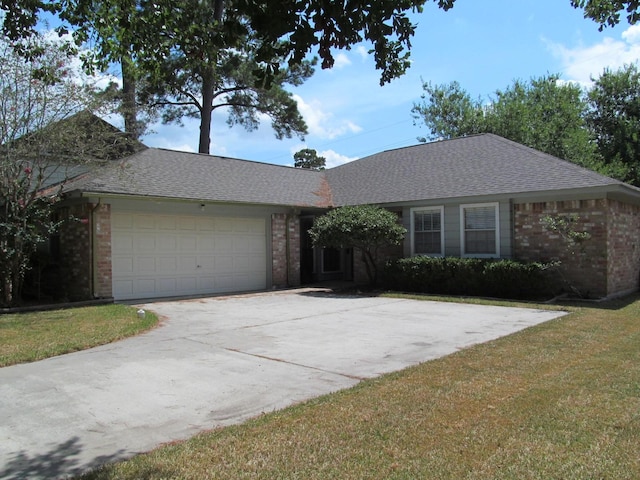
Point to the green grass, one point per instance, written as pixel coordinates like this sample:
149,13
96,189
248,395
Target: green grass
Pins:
27,337
560,400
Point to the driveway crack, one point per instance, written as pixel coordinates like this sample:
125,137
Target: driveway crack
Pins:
346,375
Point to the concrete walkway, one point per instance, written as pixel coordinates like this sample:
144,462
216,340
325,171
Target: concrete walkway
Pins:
216,362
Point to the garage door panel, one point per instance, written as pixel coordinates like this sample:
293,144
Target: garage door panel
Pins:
224,283
223,244
121,220
207,283
187,223
122,243
123,289
167,243
146,242
166,223
257,245
187,243
166,255
144,286
241,245
206,243
187,264
206,224
223,225
167,265
166,286
146,222
146,265
206,263
187,283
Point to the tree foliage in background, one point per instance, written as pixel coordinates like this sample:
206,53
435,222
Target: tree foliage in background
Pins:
448,111
195,85
366,228
542,113
141,36
39,147
308,158
607,12
597,129
614,121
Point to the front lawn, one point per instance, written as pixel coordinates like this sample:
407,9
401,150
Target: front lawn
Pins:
27,337
559,400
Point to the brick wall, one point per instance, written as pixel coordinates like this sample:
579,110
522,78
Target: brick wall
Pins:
285,244
80,271
586,267
624,247
75,252
102,248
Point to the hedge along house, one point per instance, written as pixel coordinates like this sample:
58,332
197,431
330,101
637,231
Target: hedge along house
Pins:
164,223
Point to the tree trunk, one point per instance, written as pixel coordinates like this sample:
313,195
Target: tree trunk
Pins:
128,108
371,267
207,108
208,80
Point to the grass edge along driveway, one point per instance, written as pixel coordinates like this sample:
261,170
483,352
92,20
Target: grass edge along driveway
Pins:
558,400
28,337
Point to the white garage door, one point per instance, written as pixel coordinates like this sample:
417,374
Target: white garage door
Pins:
170,255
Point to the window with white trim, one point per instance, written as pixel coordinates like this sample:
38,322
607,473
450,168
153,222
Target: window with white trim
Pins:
427,234
479,230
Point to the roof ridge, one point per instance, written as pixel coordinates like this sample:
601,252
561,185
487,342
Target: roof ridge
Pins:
540,153
221,157
417,145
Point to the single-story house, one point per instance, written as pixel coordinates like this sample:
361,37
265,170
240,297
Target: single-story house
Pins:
162,223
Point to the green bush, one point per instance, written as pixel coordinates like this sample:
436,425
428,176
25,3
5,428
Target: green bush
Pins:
469,276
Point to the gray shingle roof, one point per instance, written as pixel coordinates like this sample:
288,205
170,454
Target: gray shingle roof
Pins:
165,173
477,165
470,166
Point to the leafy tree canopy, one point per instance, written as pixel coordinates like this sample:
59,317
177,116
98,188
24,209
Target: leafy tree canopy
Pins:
366,228
196,85
542,113
40,146
309,158
290,29
598,128
607,12
614,120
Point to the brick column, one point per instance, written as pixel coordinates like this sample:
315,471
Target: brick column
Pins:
623,268
102,275
75,252
285,245
278,250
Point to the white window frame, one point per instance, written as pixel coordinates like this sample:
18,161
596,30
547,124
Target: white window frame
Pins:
496,207
440,210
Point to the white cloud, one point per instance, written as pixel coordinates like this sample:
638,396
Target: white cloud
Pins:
362,51
341,60
632,34
334,159
583,62
321,123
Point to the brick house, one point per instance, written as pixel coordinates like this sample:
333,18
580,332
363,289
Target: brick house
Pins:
164,223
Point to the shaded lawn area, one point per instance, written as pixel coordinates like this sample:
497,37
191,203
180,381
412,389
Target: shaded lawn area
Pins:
559,400
27,337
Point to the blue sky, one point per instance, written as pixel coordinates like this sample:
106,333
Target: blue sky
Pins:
484,45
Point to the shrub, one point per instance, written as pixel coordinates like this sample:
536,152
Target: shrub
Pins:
469,276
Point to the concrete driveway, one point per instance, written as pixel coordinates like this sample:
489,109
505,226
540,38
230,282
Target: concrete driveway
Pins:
219,361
